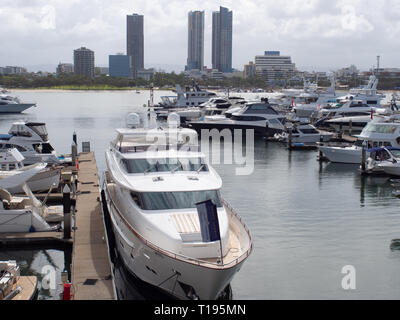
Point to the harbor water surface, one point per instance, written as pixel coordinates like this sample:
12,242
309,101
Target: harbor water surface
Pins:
308,220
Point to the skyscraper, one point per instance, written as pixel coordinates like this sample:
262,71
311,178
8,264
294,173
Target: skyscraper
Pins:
84,62
222,40
195,58
135,42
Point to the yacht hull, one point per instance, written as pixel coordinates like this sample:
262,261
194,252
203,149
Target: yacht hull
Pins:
183,279
42,181
342,155
15,108
390,169
258,130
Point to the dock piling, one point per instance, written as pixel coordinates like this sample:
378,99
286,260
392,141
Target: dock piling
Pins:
290,138
74,153
67,211
74,138
363,159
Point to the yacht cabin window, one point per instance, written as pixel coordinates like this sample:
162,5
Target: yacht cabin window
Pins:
164,165
175,200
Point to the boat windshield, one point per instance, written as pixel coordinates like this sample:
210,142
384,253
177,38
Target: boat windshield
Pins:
175,200
379,128
395,153
40,129
164,165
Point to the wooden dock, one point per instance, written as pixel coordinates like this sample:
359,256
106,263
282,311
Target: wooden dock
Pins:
91,270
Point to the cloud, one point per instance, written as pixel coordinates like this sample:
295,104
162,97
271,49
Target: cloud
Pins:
314,32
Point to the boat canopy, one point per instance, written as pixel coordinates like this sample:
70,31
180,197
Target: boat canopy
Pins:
5,136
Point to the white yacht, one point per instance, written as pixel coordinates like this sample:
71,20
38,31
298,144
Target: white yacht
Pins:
11,163
384,160
367,94
31,140
349,109
22,214
255,116
385,133
303,135
191,97
11,104
154,180
308,103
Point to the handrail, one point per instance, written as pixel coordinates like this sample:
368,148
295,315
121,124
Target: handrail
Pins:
180,256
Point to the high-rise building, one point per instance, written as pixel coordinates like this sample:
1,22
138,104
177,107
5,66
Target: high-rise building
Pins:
274,67
84,62
65,68
222,40
195,58
135,42
249,70
119,65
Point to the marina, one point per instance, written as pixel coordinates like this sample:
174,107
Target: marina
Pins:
288,209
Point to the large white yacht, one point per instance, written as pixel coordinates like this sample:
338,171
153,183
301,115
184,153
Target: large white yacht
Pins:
376,134
258,116
11,104
31,139
191,97
309,103
154,180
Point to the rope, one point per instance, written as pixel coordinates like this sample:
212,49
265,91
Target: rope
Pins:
175,274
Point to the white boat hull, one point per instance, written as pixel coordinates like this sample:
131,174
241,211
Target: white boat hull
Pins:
342,155
18,221
15,108
179,277
390,169
42,181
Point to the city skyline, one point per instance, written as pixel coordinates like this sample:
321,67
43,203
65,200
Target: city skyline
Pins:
314,33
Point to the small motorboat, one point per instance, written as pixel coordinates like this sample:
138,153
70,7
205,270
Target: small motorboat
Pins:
11,163
13,286
303,136
25,213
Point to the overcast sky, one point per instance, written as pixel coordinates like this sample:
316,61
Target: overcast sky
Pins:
317,34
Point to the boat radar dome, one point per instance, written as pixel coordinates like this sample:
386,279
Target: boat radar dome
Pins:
174,120
133,120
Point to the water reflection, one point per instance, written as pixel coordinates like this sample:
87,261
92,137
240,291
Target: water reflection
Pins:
32,261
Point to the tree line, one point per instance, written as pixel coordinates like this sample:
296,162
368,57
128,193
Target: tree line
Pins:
163,80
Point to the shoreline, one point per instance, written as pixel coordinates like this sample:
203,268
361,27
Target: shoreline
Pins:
83,89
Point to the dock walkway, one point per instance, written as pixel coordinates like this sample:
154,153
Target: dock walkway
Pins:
91,270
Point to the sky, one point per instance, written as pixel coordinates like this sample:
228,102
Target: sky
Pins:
319,35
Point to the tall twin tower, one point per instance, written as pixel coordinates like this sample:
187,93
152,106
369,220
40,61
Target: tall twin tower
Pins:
221,40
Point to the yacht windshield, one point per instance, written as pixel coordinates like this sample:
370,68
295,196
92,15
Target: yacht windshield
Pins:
40,129
395,153
380,128
177,200
164,165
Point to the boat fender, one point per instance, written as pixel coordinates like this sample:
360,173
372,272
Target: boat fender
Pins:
67,291
32,229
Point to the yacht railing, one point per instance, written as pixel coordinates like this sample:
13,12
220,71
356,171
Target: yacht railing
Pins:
180,257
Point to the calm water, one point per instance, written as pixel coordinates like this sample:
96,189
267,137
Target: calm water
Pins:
307,220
